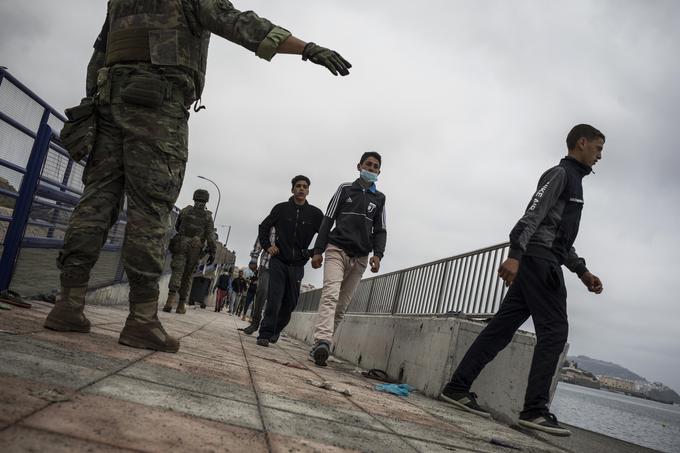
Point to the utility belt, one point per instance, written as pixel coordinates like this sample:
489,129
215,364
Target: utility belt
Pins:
128,84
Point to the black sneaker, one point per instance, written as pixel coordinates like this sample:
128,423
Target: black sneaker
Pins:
262,342
545,422
320,352
466,401
274,339
249,330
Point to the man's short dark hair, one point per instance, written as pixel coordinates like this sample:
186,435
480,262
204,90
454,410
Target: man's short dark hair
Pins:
300,178
582,130
368,154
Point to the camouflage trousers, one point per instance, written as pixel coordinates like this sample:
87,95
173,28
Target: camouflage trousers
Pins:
140,153
183,265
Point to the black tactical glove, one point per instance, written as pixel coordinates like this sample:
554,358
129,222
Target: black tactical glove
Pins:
326,57
211,258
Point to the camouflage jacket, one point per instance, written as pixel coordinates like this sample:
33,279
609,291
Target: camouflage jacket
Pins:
197,19
193,222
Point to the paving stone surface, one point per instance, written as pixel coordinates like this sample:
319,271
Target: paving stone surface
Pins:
73,392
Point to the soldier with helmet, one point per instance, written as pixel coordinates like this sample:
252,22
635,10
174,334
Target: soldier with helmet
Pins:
147,68
194,229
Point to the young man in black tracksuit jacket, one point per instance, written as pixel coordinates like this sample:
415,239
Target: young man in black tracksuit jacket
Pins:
296,222
540,243
358,211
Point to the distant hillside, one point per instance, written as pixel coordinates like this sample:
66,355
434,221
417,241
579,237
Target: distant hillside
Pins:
666,395
598,367
656,391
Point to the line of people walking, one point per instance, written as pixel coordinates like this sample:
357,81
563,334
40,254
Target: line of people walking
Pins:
132,127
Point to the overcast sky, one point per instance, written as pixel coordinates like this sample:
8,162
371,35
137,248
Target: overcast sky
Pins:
468,103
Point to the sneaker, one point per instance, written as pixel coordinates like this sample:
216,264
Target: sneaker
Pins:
274,339
249,330
466,401
320,352
262,342
545,422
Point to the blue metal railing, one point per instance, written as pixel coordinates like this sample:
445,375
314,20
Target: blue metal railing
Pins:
35,216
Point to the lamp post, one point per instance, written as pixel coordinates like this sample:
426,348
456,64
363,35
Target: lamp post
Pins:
228,232
219,196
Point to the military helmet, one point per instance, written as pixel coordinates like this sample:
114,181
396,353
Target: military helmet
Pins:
201,195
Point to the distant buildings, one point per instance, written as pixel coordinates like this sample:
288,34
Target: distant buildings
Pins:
572,374
618,385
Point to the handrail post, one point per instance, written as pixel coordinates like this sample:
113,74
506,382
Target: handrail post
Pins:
22,207
397,293
440,297
370,296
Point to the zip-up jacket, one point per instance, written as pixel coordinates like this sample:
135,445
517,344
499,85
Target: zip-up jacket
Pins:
239,285
550,224
295,227
359,217
224,282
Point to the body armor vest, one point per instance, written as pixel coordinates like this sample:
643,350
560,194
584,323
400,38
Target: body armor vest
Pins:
157,32
193,222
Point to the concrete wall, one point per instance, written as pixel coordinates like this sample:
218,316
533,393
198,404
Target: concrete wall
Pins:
424,351
118,294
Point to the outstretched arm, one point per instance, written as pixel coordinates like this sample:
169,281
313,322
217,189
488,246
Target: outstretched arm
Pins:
259,35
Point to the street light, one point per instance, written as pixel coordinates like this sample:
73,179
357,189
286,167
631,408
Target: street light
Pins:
219,196
228,232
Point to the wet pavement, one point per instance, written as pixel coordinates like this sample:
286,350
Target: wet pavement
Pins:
72,392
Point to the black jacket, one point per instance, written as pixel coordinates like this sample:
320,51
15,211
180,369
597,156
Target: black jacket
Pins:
223,282
239,285
550,224
359,216
252,284
295,227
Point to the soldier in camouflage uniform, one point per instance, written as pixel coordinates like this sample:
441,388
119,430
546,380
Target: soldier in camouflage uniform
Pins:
147,68
194,228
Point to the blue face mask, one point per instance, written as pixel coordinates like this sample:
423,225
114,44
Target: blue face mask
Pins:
368,176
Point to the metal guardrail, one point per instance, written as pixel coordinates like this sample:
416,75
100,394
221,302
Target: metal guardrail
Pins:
40,185
465,283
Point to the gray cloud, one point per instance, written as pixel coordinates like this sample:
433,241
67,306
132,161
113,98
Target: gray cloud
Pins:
468,103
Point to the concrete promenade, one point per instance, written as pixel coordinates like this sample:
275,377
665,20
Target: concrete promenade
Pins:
70,392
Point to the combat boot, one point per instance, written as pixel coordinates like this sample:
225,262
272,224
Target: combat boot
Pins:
143,329
181,307
170,301
67,313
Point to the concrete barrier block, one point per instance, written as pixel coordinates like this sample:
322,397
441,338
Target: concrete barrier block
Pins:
424,351
301,326
421,352
365,340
